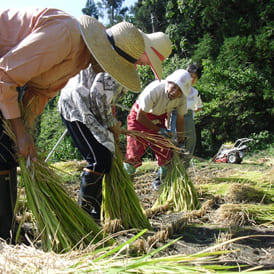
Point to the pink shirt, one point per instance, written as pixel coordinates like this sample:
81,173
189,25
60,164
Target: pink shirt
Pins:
41,48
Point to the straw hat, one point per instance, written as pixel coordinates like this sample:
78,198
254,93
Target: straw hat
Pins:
182,79
157,48
116,49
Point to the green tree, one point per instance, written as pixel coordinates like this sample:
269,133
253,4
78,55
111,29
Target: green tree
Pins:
91,9
50,130
235,41
115,11
149,15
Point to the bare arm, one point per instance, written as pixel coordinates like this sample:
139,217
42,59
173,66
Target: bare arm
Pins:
142,119
24,141
180,127
168,120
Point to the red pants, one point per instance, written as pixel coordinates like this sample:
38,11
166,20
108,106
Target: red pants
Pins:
136,147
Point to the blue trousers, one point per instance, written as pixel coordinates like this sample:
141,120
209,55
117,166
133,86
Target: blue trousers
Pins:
190,131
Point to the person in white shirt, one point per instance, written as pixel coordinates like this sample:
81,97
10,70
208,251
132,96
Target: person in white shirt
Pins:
86,107
149,114
194,104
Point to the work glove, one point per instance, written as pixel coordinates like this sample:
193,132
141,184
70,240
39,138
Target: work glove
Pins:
164,132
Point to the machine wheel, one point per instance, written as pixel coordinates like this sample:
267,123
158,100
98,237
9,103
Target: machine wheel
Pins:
233,158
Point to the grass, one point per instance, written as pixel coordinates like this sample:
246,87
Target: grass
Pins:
71,170
147,166
115,259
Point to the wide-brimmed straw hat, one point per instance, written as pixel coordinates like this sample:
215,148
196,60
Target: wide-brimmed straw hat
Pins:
182,79
115,49
157,48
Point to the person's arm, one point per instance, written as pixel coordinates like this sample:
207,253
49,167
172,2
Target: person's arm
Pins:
168,120
142,119
35,54
103,91
24,140
180,121
198,102
180,127
11,112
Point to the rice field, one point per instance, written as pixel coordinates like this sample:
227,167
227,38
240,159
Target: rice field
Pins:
232,231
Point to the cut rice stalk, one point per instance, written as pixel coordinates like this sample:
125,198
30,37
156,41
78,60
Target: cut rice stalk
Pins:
61,223
154,138
120,200
177,189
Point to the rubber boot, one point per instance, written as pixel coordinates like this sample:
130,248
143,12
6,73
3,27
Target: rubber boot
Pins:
161,173
90,194
8,196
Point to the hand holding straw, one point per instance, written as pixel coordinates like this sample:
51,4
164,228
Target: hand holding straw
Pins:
155,138
61,223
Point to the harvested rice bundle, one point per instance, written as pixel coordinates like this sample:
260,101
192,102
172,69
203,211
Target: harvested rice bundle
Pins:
120,200
61,223
155,138
177,190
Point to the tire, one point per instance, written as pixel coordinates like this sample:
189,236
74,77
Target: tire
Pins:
233,158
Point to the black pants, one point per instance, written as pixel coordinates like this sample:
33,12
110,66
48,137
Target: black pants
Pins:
7,151
8,183
99,158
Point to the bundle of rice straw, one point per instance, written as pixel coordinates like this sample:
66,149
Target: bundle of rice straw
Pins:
61,223
154,138
120,200
177,190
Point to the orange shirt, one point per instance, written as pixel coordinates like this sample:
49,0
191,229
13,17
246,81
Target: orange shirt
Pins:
39,48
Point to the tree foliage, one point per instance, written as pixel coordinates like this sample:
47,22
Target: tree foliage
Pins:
114,10
233,40
51,129
91,9
149,15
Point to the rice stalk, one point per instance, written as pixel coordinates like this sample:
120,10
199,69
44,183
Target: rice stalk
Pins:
177,189
61,223
202,262
120,200
156,139
27,259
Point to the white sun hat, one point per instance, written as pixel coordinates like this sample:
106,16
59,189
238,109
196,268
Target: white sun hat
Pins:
115,49
182,79
157,48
